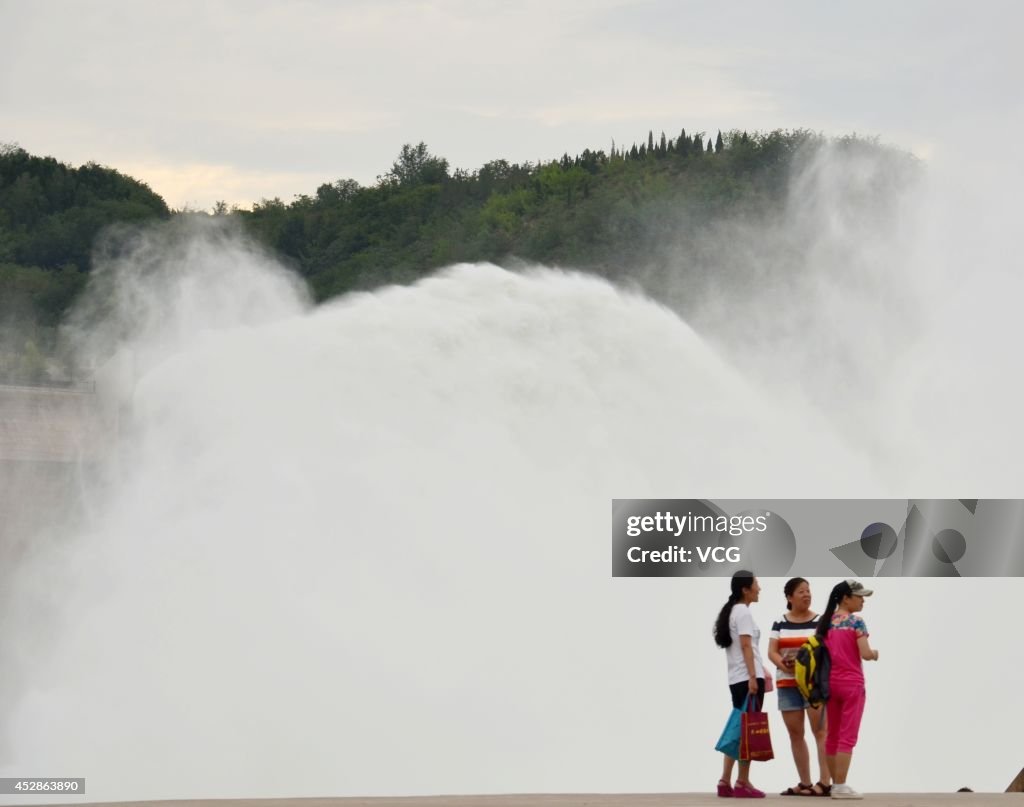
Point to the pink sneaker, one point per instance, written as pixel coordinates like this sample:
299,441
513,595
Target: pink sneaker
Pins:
725,790
745,790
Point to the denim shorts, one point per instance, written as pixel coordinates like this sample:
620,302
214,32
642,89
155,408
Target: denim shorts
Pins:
790,699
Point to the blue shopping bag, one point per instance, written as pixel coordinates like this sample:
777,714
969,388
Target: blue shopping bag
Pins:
729,742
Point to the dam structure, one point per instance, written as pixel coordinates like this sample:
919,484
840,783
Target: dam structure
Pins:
55,443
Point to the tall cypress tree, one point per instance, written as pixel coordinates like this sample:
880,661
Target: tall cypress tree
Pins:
650,141
719,144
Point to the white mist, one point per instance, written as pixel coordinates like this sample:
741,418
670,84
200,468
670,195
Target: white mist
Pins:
364,549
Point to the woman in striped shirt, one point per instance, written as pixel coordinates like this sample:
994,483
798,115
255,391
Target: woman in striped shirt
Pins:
788,634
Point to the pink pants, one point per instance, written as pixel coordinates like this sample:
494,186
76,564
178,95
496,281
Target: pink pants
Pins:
844,708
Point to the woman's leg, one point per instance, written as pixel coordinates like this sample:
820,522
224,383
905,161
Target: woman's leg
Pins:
853,711
833,722
816,717
794,720
744,775
841,767
737,693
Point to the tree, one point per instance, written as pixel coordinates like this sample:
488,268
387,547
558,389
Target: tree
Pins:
719,145
591,161
342,190
417,166
683,144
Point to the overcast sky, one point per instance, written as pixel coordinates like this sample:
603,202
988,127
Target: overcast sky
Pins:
245,100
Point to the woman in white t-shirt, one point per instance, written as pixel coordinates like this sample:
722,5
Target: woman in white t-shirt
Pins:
736,631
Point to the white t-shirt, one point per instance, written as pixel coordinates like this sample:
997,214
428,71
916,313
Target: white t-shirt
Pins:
741,623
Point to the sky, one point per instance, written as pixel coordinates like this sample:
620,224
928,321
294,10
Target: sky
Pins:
241,101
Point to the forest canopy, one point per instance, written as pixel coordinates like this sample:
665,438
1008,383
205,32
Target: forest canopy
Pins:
607,212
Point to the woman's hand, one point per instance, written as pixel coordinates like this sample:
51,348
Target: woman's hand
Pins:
752,687
876,655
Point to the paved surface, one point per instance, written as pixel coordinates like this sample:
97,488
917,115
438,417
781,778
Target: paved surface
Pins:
584,800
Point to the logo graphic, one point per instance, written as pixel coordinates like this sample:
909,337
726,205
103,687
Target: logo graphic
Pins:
870,538
934,539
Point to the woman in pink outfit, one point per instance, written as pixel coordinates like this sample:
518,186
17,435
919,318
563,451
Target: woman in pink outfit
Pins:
846,637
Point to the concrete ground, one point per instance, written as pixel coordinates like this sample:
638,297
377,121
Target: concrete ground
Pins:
577,800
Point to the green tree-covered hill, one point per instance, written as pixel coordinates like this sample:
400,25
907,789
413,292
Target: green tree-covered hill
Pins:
50,216
605,212
592,211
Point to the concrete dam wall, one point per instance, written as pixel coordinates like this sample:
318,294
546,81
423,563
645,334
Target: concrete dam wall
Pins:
53,442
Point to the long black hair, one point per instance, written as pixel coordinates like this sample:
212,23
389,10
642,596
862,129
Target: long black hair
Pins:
839,590
741,580
790,587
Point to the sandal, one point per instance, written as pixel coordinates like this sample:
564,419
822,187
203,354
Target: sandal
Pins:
745,790
826,790
724,789
800,790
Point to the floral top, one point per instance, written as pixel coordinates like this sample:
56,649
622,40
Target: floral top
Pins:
841,642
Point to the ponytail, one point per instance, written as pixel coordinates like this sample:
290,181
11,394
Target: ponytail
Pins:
839,591
741,580
722,637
